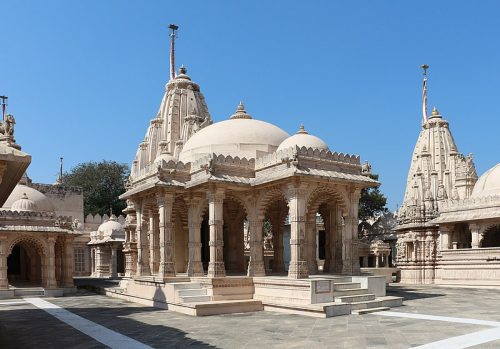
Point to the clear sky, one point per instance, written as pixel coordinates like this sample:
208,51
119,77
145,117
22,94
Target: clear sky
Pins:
85,77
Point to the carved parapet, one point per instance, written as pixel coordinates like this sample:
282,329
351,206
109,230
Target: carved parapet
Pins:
296,153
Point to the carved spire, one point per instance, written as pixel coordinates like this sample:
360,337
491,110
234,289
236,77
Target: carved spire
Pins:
424,94
173,29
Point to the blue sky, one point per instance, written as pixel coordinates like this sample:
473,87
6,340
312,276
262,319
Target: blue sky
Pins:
84,78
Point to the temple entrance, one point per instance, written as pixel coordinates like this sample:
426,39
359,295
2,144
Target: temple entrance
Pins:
205,239
24,267
120,262
492,237
234,217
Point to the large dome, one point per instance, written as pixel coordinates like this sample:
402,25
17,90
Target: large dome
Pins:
488,184
239,136
40,201
303,139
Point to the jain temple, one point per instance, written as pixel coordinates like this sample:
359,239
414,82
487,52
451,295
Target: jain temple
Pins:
239,215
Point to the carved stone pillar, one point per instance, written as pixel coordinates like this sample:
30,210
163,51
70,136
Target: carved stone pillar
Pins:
114,272
215,221
68,262
444,233
50,264
297,210
350,256
4,282
165,203
142,243
475,230
339,227
195,266
154,241
256,263
310,245
92,261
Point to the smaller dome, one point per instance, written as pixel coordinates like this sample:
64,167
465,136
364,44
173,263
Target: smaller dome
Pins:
24,204
303,139
111,229
488,184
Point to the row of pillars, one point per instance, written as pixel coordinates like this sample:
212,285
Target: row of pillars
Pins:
302,262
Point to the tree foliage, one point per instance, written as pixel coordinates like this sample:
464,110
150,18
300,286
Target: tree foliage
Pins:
372,202
102,183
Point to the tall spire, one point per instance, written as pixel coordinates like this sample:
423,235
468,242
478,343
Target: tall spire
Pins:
424,94
173,29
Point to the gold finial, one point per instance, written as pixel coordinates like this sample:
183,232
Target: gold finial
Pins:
425,67
435,113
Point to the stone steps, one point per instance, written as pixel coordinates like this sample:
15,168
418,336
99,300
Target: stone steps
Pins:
186,285
194,299
355,298
32,291
350,292
369,310
346,285
320,310
217,307
192,292
366,304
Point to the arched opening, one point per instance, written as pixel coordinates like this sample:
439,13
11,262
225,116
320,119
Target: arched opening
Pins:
181,235
234,217
324,224
24,265
205,240
276,232
491,237
461,236
120,262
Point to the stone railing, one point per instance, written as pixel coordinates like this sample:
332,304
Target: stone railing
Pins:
471,203
296,152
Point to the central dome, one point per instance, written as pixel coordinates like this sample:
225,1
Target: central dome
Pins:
488,184
239,136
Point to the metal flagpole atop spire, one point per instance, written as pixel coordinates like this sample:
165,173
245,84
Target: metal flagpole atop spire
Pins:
4,106
59,180
424,94
173,30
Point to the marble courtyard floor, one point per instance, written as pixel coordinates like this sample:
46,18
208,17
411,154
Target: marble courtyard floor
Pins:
432,317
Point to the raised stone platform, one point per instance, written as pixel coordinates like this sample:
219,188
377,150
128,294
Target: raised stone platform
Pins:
317,296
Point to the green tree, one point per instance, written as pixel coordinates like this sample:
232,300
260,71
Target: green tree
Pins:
102,183
372,202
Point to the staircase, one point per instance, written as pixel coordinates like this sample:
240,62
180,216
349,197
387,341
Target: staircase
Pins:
361,301
192,299
190,292
29,292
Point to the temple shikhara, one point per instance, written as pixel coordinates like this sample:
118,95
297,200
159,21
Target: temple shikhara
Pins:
448,225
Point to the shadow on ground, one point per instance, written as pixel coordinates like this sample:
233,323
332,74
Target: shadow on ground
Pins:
34,328
409,293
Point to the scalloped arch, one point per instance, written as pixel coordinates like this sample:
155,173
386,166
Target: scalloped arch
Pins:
34,241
